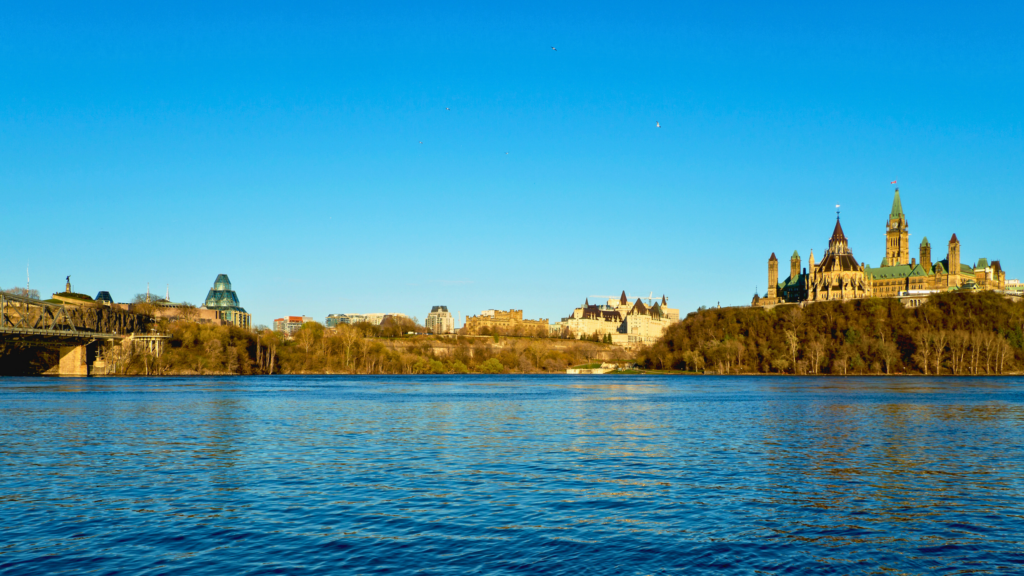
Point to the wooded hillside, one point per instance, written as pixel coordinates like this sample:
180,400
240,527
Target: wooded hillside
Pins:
206,349
952,333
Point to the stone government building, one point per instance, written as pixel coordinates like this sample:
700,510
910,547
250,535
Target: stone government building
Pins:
839,277
626,324
507,322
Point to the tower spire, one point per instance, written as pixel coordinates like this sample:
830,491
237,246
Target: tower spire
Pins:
897,206
897,238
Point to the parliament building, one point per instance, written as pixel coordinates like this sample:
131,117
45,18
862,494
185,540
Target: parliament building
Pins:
839,277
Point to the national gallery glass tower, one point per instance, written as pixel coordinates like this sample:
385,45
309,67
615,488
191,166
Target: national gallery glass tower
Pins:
223,299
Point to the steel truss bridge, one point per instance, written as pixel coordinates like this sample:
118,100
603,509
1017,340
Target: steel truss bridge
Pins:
24,318
28,319
74,328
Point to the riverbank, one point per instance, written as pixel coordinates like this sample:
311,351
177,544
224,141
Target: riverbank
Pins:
194,349
959,333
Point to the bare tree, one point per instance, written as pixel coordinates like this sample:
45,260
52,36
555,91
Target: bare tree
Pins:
959,342
890,353
940,340
267,343
924,343
213,348
817,351
23,292
188,312
794,346
990,345
308,335
141,305
739,349
1003,354
976,345
842,359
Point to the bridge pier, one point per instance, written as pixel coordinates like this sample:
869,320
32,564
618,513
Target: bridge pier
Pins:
74,361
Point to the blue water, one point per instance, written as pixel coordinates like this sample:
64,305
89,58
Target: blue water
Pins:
511,475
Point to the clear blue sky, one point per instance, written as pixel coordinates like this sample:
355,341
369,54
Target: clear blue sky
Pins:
280,144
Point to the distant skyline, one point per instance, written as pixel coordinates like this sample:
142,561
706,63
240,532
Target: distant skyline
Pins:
389,157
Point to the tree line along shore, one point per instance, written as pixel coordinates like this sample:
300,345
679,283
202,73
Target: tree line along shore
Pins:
206,349
973,333
953,333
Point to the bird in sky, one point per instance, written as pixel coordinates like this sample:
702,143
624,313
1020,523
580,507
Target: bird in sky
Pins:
421,141
555,49
447,108
506,153
657,124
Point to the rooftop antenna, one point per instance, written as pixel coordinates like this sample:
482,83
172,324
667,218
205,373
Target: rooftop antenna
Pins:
168,295
147,291
28,276
837,211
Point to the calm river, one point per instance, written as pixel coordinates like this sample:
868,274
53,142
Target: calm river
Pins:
511,475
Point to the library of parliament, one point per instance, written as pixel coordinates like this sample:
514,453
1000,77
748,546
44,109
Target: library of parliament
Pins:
839,277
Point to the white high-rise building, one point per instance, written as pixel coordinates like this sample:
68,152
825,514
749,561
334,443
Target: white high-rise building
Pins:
440,320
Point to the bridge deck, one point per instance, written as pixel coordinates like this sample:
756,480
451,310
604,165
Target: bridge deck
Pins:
62,334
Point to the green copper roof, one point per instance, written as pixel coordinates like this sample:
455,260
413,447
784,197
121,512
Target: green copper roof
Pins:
925,242
897,206
795,255
982,263
901,271
791,282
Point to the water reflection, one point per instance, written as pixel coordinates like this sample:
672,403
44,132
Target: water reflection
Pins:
507,474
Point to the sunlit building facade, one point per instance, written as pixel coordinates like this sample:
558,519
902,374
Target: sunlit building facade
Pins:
440,320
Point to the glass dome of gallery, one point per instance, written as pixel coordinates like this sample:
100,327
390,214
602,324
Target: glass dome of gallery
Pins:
222,297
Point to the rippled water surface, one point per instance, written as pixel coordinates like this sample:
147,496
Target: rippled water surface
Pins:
511,475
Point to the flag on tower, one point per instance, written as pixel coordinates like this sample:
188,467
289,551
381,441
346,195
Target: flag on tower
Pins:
893,182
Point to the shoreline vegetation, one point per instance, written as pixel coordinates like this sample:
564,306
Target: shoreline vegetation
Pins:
980,333
195,349
950,334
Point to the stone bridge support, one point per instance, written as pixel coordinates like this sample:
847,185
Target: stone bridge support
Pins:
80,360
74,360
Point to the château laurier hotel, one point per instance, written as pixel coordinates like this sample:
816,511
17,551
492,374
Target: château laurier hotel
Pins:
839,277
